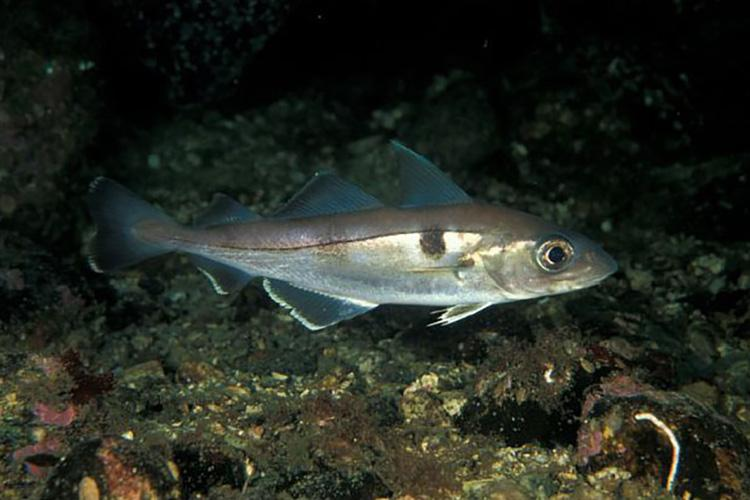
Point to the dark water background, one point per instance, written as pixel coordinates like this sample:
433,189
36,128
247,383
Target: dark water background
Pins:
625,120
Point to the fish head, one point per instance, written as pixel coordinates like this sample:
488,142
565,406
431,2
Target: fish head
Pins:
543,259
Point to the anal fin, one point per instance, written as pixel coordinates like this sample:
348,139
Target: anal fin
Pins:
457,313
313,309
224,279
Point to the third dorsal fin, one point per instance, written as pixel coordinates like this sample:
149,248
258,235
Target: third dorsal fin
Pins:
224,210
422,183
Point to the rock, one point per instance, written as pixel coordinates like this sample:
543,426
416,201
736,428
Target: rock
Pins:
664,438
113,467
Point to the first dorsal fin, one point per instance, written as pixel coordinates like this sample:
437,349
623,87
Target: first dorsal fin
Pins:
326,194
422,183
224,210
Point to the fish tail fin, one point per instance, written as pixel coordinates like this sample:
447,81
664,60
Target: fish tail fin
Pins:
116,210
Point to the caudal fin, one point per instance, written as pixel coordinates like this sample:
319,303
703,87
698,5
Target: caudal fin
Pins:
116,210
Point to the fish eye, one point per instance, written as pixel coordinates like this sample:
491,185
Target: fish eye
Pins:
554,254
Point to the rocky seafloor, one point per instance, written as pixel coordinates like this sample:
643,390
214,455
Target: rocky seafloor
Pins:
146,384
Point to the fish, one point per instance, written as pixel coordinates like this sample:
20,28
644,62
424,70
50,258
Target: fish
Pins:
334,252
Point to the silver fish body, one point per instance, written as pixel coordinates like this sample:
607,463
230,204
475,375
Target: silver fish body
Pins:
335,252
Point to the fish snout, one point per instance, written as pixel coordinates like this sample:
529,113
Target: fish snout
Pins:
599,264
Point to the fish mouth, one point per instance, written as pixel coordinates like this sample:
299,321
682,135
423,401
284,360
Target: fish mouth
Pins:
601,267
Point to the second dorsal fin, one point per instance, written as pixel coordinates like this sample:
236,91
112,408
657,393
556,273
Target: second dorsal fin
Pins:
422,183
326,194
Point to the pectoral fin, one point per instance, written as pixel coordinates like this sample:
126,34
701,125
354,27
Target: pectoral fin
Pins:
313,309
436,269
457,313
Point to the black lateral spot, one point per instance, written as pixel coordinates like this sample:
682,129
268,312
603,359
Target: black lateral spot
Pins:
432,243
